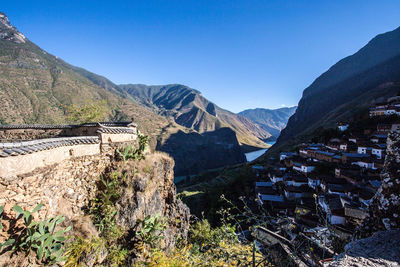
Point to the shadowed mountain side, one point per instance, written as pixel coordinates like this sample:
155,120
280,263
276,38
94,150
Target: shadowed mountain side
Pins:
352,84
190,109
194,152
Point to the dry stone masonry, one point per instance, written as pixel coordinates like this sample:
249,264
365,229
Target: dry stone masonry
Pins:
61,171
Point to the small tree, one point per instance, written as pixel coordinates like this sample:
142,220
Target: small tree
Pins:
89,112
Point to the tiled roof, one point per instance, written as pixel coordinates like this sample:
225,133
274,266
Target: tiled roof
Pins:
355,155
298,189
66,126
28,147
379,136
116,130
35,126
325,153
380,146
298,178
266,191
334,202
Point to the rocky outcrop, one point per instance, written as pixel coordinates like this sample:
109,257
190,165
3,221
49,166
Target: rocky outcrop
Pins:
67,189
153,193
9,32
381,249
384,211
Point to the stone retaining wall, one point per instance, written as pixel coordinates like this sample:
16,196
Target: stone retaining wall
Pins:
33,132
16,165
63,188
21,156
58,172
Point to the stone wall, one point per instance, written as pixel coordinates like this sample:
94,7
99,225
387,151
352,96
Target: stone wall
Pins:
34,132
64,188
69,177
13,166
21,156
58,172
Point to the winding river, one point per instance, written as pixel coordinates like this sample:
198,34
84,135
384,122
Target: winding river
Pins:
255,154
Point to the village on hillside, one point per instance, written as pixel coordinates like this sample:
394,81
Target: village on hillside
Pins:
322,190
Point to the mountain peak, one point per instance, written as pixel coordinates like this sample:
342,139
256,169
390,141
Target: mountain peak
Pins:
9,32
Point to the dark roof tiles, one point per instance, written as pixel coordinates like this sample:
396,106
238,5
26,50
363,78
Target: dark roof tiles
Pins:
27,147
67,126
116,130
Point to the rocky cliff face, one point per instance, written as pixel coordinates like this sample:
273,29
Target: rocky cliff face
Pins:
9,32
153,193
380,232
384,211
381,249
70,187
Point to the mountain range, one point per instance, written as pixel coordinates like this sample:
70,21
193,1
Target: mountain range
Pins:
188,107
37,87
352,85
271,120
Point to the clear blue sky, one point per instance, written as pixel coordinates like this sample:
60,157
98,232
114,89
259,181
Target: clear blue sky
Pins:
239,54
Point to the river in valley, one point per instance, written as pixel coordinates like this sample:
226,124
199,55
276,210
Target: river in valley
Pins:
249,157
255,154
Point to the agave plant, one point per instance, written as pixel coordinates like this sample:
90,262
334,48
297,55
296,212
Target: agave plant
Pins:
151,228
126,152
39,236
10,241
129,152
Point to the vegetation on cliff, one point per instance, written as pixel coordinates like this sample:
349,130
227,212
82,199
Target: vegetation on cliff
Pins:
146,241
45,239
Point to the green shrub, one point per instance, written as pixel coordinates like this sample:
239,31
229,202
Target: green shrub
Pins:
150,234
117,255
89,112
103,206
39,236
103,211
208,246
129,152
81,248
10,241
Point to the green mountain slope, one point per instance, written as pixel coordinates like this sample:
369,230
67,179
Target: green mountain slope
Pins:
271,120
190,109
353,84
37,87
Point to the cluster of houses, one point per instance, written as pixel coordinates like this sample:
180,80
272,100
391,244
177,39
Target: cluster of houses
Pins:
391,107
325,187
